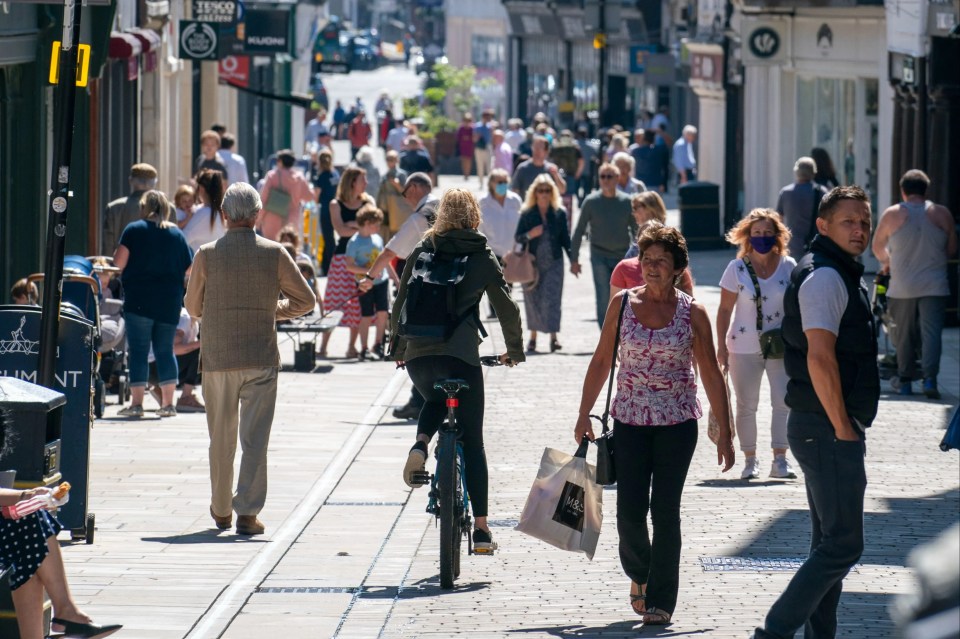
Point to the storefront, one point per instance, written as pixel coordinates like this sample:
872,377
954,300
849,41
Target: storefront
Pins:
23,145
812,79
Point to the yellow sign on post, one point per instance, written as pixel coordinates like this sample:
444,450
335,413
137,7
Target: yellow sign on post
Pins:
83,64
600,41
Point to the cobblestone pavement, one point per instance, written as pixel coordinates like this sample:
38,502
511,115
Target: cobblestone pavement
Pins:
350,552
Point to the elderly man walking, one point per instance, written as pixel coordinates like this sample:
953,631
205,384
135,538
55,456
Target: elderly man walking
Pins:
798,204
235,288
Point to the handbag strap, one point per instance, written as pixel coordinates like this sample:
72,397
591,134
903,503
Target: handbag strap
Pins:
613,366
756,287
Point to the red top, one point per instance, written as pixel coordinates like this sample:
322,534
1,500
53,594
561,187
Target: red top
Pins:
627,274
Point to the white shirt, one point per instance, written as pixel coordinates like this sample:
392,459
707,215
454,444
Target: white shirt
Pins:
499,221
236,167
742,336
514,137
395,138
198,231
412,230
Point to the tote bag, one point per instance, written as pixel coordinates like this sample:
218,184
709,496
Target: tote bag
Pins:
564,507
519,267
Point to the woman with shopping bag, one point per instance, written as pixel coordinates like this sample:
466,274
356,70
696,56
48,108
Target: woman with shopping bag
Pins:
655,411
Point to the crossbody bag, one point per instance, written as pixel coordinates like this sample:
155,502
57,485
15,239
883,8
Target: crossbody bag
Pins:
771,342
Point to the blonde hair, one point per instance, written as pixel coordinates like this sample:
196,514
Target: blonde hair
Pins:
651,201
182,191
347,180
325,160
530,200
739,235
458,209
155,208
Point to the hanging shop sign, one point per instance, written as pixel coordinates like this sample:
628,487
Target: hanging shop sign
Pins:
235,70
199,40
266,31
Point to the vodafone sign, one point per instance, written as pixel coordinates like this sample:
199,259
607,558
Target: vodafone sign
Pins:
235,69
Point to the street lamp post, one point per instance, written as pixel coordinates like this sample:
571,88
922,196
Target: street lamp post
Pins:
59,195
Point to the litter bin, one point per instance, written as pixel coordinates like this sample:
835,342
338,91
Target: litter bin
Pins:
76,370
34,414
700,215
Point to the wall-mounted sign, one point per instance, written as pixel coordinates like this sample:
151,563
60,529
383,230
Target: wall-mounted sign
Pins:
235,69
199,40
707,67
266,31
764,42
638,57
661,69
215,10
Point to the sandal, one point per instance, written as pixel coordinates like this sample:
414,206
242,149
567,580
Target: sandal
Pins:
640,597
656,617
532,346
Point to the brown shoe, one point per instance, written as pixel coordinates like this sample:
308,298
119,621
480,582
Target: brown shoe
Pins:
223,523
249,525
190,404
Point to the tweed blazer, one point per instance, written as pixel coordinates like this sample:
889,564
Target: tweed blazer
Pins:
234,289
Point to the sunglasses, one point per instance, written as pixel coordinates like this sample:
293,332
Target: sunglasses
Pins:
544,191
608,176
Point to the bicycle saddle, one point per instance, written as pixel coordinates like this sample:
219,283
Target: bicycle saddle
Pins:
451,386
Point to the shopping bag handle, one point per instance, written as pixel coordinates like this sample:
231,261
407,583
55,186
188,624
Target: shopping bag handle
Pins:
582,450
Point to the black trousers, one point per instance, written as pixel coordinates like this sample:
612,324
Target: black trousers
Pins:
188,366
424,371
652,464
836,482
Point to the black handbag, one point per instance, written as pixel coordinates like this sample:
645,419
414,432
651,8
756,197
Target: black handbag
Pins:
606,466
771,342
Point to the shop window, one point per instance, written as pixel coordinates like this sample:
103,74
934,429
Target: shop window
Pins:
487,52
826,118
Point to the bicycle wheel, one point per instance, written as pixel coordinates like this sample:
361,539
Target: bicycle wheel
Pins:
449,522
458,516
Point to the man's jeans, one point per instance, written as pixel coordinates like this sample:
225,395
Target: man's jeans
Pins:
602,270
918,325
836,481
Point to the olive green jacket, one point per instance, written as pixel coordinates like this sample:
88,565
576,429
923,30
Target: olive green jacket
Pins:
483,275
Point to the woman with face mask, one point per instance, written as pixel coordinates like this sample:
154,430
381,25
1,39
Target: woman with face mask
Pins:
500,211
751,304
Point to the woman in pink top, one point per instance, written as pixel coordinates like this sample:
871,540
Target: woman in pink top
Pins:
294,183
655,415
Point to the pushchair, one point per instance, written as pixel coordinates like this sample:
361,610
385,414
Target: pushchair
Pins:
81,290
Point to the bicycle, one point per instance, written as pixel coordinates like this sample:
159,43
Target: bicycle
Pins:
448,500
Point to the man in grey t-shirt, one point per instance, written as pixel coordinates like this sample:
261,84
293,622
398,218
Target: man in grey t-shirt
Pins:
528,171
798,204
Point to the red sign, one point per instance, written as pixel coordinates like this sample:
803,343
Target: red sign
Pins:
235,69
707,67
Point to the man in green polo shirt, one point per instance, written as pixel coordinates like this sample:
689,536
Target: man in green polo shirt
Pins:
612,229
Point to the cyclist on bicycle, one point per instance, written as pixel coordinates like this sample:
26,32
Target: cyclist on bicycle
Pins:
454,235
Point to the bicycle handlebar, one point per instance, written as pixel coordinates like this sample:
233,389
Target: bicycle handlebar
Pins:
491,360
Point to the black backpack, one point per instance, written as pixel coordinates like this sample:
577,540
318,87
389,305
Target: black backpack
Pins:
429,312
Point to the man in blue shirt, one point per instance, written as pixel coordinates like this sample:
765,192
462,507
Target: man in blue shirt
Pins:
482,141
684,159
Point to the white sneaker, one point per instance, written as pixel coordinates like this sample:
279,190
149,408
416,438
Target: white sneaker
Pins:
780,468
751,468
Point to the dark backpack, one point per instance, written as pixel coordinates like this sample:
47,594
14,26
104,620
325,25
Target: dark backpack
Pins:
429,312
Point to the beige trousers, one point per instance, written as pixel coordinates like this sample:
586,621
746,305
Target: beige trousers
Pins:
241,400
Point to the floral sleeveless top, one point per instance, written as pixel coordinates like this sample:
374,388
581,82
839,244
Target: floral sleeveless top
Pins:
655,383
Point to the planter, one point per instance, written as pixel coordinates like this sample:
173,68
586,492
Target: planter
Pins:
446,144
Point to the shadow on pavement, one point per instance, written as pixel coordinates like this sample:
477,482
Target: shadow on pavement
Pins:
865,612
734,482
211,536
890,536
431,588
614,630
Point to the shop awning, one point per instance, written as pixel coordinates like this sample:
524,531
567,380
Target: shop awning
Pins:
124,45
149,39
534,25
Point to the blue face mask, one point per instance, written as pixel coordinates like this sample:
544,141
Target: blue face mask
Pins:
501,189
763,244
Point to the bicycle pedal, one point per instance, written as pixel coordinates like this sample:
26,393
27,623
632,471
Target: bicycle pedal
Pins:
420,478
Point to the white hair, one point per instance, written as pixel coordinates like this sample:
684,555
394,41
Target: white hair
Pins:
690,129
364,155
241,202
623,157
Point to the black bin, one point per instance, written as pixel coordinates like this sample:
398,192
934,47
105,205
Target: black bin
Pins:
75,374
305,357
34,414
700,223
